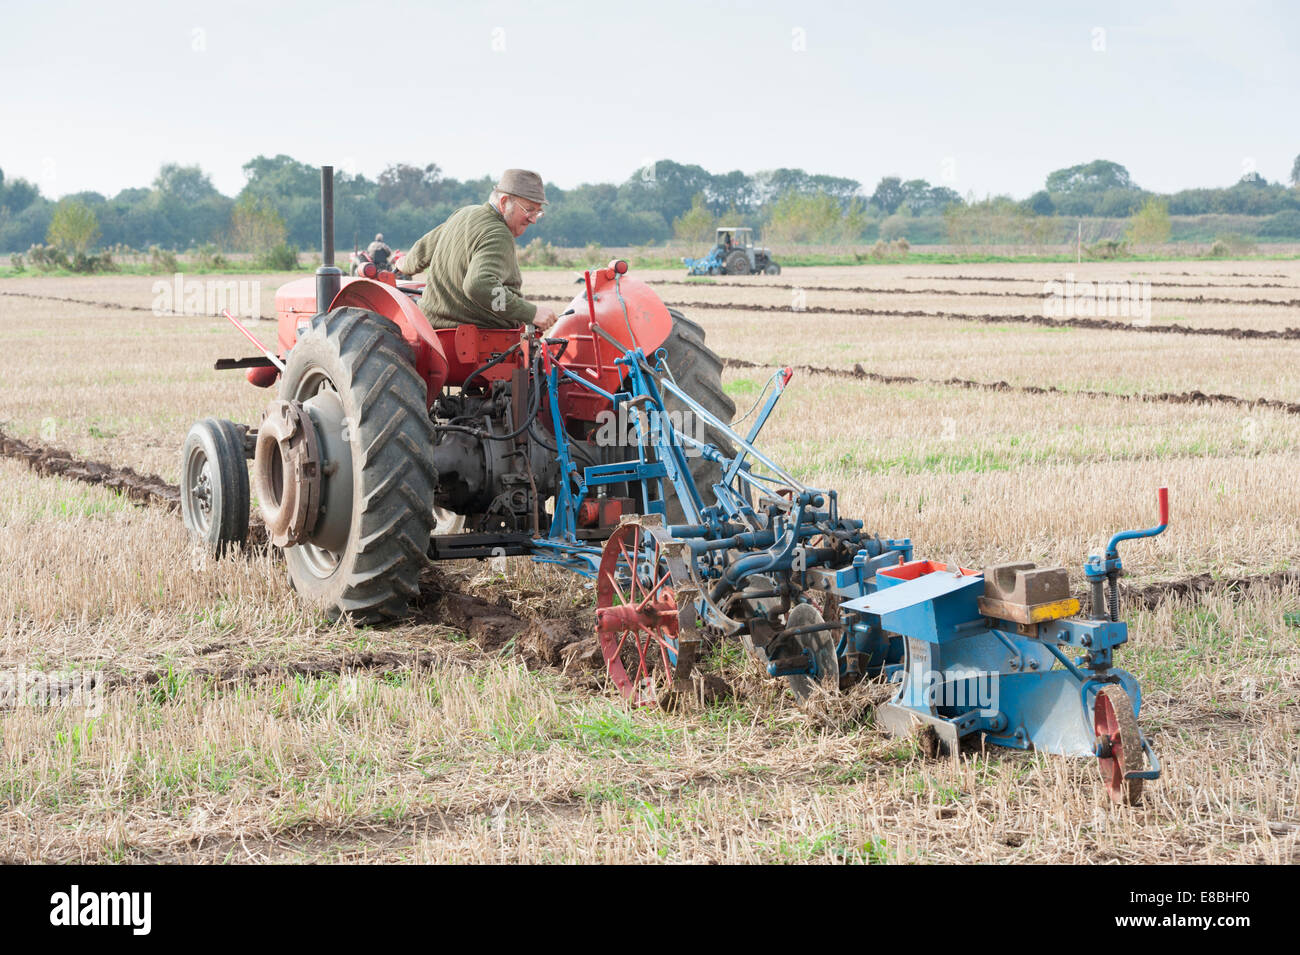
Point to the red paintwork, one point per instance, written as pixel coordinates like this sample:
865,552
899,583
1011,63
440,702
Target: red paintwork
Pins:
919,568
603,511
446,356
385,299
262,377
1163,494
295,304
646,315
468,347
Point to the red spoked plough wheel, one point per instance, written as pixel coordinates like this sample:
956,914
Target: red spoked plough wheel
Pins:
637,617
1119,745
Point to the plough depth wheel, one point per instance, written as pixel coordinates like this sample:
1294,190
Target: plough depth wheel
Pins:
637,617
1119,745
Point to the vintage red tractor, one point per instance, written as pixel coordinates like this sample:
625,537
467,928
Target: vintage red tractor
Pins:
381,421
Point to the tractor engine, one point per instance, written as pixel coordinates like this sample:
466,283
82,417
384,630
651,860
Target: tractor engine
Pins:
496,464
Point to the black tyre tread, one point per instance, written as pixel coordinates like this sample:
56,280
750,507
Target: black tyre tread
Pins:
395,483
236,513
742,263
698,372
224,450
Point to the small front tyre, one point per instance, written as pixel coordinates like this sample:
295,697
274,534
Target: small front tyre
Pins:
214,486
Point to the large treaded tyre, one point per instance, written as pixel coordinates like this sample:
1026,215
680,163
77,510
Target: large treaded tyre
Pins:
698,372
737,263
353,371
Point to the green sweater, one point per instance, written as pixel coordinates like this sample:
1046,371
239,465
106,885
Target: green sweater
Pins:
473,272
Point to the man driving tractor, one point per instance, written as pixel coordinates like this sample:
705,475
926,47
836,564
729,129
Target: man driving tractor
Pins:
473,272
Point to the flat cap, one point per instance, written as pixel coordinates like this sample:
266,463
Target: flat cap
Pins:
523,183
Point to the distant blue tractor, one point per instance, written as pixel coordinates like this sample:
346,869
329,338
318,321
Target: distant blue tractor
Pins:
733,253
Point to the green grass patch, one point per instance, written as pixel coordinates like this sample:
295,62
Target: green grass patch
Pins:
620,730
833,845
741,387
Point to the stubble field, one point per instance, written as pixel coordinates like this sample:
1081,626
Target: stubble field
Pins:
937,399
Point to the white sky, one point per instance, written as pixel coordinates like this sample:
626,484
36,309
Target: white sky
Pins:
983,97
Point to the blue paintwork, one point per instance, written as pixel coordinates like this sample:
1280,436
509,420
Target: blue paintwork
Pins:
711,264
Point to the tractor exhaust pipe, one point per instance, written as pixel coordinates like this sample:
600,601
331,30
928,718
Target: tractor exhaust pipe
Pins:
328,279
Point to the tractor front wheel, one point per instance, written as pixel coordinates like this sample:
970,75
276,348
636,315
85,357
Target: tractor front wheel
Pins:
214,486
354,378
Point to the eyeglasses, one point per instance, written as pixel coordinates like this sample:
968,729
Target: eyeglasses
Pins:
533,214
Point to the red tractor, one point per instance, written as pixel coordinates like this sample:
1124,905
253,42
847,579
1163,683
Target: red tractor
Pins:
381,421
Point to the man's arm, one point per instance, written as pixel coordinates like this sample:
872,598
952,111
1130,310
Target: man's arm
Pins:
417,258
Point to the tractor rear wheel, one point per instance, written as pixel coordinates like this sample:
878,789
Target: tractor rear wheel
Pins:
355,377
698,372
737,263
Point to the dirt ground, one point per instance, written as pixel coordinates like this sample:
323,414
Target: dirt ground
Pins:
941,401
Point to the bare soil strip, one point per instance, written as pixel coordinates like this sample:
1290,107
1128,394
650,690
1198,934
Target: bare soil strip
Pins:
1151,596
1096,324
1236,275
51,462
962,293
1021,278
1184,398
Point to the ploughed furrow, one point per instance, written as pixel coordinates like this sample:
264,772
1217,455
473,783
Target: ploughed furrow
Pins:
53,462
859,373
1150,596
976,293
1095,324
1022,278
142,489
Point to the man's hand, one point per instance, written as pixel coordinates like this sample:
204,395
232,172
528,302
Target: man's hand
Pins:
544,319
396,264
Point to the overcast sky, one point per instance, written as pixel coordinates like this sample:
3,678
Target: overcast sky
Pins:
982,97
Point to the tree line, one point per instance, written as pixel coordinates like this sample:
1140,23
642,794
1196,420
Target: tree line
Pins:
278,206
